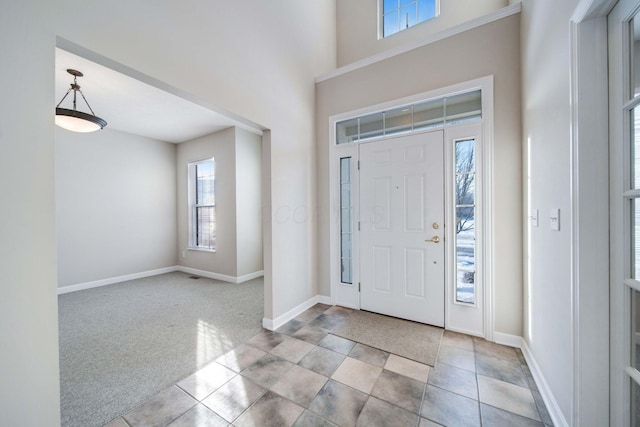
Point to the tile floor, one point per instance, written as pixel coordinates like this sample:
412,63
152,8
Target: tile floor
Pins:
302,375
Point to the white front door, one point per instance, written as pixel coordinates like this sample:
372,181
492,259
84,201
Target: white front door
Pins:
402,257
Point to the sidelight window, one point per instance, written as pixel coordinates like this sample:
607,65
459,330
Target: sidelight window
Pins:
465,221
346,230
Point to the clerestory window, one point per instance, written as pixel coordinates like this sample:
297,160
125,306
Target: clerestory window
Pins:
398,15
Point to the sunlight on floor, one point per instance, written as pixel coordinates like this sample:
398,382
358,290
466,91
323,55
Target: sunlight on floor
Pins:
210,343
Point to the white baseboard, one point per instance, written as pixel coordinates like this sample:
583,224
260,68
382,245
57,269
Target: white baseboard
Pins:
552,405
273,324
218,276
113,280
250,276
508,339
207,274
188,270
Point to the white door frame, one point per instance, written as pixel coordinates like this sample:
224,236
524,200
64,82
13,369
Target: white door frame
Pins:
348,294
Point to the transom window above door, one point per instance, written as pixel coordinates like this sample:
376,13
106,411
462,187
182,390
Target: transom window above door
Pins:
431,114
398,15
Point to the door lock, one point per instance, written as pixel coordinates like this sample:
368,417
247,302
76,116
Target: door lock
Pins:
435,239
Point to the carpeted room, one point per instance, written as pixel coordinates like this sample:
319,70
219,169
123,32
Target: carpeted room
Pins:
122,214
122,344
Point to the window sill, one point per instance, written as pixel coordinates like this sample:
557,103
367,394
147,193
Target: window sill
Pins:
202,250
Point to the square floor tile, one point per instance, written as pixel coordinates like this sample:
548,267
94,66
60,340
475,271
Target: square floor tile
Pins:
529,376
487,348
266,340
337,310
457,357
494,417
377,413
163,408
510,397
199,416
542,408
118,422
300,385
454,379
402,391
270,410
450,409
337,344
311,334
311,313
309,419
319,307
231,400
268,370
292,349
521,357
501,369
322,361
408,368
206,380
291,327
428,423
240,357
327,321
339,403
369,355
357,374
455,339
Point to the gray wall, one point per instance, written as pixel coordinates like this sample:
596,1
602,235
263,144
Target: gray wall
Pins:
238,158
220,145
115,205
491,49
248,202
546,57
252,58
357,25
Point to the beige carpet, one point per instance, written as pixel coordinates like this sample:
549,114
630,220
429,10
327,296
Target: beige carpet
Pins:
408,339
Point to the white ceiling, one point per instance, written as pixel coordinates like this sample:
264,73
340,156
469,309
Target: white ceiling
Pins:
129,105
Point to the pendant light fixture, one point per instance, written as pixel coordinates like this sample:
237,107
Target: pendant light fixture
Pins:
74,120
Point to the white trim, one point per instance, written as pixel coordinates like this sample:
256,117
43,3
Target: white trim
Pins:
237,120
143,274
487,205
250,276
463,331
457,29
218,276
466,317
114,280
508,339
273,324
349,296
549,399
588,9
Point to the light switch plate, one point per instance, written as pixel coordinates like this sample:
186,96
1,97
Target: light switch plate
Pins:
534,217
555,219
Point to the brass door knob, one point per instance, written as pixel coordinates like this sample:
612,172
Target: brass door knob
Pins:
435,239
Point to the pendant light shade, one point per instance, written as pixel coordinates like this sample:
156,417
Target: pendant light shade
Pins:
74,120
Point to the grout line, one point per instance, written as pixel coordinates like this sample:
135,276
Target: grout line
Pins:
475,361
